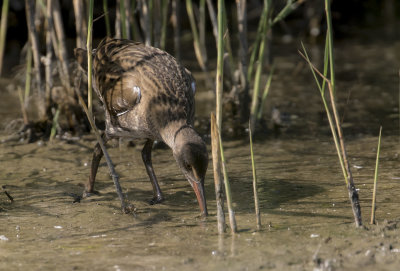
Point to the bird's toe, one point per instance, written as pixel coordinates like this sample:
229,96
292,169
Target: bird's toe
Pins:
156,200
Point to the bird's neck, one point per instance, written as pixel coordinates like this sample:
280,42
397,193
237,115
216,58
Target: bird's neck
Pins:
177,134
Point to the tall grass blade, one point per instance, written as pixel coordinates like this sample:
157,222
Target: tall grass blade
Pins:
28,76
123,19
253,165
376,178
107,18
265,93
164,13
54,124
256,43
176,25
287,9
339,144
330,42
260,62
3,31
22,104
220,65
90,58
329,115
34,41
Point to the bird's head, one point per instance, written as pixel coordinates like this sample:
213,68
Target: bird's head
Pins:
190,153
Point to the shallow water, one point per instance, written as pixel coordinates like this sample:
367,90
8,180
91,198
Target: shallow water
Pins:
306,215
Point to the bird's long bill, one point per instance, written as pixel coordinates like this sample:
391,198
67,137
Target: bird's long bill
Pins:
199,190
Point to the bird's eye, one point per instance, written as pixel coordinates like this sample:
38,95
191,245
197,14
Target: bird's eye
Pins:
188,167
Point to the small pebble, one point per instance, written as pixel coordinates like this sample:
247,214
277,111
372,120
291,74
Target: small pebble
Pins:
58,227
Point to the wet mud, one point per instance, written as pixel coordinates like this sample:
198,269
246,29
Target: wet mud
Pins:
307,222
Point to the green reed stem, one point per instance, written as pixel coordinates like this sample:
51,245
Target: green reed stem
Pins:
256,44
22,104
328,113
220,65
260,62
164,12
339,142
231,212
265,93
286,10
89,56
28,76
202,23
3,31
330,42
54,124
123,19
376,178
107,18
353,194
253,165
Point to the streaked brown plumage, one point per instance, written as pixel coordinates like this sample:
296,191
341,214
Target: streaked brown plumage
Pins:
147,94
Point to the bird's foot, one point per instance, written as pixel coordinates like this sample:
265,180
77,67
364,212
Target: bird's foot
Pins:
156,199
87,194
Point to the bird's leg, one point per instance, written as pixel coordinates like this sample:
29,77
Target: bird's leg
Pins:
146,156
97,154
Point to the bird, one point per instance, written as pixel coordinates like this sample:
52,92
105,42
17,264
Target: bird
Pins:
147,94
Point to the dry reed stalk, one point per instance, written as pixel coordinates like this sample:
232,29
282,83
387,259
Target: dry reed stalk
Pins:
330,43
128,16
164,14
89,56
243,91
219,193
214,20
145,18
49,52
199,50
373,208
118,30
80,23
231,212
61,46
202,23
253,166
176,26
3,31
339,143
34,41
157,21
125,205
